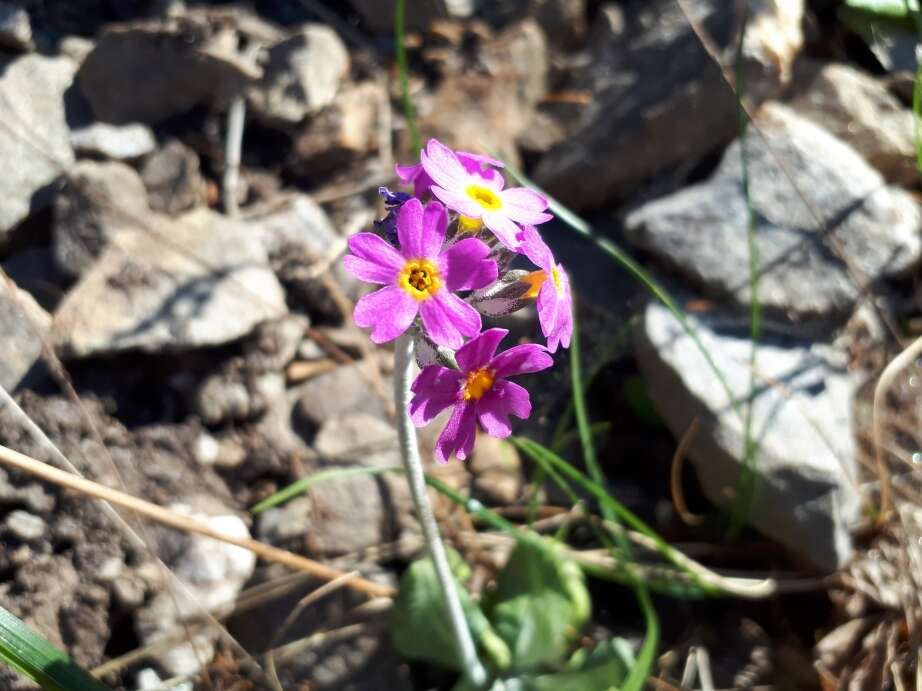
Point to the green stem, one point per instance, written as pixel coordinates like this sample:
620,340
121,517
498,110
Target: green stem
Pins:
400,37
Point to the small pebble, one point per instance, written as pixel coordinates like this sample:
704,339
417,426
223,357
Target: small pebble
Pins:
24,525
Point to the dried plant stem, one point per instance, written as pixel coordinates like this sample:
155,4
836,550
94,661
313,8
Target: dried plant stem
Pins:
235,118
409,451
14,459
895,366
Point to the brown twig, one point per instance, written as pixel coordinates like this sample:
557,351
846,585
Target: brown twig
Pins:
169,518
675,477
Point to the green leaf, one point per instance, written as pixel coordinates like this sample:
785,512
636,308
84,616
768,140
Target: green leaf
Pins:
420,628
539,605
604,667
35,658
885,8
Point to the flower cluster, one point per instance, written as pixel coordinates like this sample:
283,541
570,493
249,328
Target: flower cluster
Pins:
444,258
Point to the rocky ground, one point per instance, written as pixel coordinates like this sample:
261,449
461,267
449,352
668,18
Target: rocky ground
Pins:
203,359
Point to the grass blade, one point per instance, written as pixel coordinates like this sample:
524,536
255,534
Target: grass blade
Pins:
400,15
35,658
304,484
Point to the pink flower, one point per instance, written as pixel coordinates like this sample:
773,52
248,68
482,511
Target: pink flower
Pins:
479,392
420,277
473,164
555,303
475,197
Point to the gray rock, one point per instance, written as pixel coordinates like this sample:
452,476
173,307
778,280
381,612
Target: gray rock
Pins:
342,133
564,21
25,526
98,201
35,270
167,68
287,523
860,110
24,325
302,75
212,574
806,496
32,496
490,108
331,395
658,99
210,284
701,230
15,28
349,514
229,395
118,142
358,437
497,470
32,107
173,179
273,344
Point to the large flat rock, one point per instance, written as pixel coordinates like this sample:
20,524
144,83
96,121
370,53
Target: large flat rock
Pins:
820,210
199,280
805,496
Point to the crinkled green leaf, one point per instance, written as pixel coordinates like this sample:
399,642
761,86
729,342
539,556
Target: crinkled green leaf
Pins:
37,659
604,667
539,605
885,8
419,627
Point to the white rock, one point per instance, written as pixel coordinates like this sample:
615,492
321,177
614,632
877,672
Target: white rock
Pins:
24,525
35,140
23,325
208,283
212,574
303,74
119,142
15,28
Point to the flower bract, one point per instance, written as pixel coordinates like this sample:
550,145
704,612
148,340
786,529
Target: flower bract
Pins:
420,277
477,393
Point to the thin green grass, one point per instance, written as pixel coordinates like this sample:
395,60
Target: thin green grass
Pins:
400,15
747,486
304,484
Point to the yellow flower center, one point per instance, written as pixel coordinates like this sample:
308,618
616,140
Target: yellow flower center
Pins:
419,278
487,198
478,383
555,274
466,224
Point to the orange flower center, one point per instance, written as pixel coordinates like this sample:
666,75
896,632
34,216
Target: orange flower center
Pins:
478,383
419,278
488,199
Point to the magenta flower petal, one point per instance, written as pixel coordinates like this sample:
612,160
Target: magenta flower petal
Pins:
503,228
478,351
457,201
564,318
388,312
459,434
473,162
416,176
421,231
521,359
504,399
467,265
548,307
534,247
372,259
524,205
442,165
436,388
448,319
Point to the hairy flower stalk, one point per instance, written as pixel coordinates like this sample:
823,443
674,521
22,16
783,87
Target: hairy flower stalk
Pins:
467,652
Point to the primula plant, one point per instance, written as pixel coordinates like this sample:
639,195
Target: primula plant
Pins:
463,247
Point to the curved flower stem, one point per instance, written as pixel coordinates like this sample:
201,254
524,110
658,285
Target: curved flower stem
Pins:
473,670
